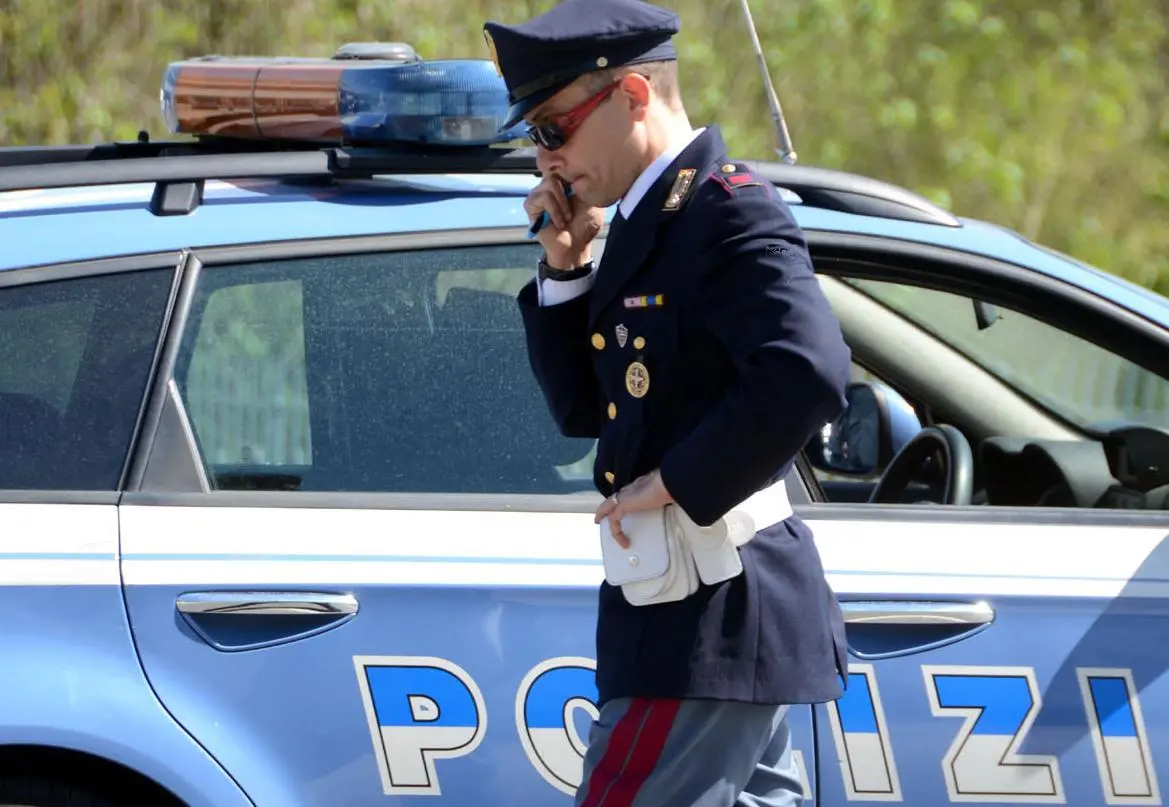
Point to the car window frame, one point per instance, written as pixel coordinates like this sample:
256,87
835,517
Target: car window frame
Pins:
168,260
1011,285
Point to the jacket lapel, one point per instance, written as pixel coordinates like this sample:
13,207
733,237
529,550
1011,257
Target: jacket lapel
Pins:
626,250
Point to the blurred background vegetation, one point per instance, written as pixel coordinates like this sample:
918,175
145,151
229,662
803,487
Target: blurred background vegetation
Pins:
1050,117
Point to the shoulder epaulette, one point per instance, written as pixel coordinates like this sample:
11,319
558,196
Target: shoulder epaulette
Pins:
735,175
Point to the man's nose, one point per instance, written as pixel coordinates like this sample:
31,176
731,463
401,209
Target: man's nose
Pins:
548,161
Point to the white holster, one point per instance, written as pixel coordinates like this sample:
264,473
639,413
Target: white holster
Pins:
669,554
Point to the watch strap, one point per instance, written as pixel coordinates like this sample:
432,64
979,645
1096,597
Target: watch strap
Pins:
546,272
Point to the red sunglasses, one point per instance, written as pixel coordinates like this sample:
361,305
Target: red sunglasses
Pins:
555,133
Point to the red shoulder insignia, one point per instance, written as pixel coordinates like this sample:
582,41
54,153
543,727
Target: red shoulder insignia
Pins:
735,175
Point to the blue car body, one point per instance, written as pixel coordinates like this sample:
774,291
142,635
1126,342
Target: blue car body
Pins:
349,644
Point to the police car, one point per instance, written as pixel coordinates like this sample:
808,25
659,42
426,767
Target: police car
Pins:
284,520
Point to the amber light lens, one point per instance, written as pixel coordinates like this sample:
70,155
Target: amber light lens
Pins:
299,102
292,101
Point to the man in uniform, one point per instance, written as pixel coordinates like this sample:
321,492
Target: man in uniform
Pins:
703,355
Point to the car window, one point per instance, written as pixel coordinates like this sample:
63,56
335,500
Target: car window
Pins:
396,372
1072,377
76,358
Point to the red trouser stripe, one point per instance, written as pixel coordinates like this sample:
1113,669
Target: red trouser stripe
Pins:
616,752
643,756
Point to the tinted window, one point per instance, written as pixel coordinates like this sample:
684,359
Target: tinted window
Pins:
75,356
402,372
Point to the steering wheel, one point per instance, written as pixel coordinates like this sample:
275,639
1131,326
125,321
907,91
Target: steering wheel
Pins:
957,460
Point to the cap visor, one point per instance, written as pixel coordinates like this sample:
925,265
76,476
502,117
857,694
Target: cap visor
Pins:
517,111
515,115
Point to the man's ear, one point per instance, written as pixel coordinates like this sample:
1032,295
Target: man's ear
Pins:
637,90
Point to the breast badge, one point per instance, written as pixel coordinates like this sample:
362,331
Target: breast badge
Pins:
680,189
637,379
622,335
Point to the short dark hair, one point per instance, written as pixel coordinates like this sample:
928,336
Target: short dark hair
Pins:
663,76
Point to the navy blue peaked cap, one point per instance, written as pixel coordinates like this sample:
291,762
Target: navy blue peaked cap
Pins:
542,56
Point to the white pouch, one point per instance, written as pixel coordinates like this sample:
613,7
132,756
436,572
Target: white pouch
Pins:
714,549
657,566
670,553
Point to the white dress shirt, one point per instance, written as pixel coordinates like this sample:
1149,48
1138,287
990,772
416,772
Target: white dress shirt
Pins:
552,292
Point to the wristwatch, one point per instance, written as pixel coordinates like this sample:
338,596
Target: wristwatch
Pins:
546,272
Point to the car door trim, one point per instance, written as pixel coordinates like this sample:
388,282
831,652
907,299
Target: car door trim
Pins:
59,497
359,244
980,514
49,272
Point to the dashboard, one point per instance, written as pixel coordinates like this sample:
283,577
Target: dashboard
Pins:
1127,468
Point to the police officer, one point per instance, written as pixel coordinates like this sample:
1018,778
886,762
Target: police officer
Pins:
703,356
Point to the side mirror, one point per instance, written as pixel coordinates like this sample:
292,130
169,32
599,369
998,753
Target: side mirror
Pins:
876,424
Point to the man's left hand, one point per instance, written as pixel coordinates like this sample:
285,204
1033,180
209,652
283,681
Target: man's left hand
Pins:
644,493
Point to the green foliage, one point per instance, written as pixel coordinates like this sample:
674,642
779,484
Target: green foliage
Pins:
1051,119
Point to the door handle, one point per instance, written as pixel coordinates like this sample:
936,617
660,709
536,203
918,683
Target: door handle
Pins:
880,629
267,603
917,613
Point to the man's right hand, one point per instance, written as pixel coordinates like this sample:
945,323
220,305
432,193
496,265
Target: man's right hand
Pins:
568,237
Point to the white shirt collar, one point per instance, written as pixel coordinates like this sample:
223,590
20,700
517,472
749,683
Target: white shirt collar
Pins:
650,175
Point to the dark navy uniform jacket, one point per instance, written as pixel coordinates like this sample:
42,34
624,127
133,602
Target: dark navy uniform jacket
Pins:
738,361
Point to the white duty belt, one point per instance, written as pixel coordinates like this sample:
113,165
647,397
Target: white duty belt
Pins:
669,554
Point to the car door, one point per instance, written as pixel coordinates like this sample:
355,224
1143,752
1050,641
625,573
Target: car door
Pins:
359,558
1011,650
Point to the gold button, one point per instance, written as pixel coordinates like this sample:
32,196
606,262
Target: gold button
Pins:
610,477
598,341
729,169
639,342
612,411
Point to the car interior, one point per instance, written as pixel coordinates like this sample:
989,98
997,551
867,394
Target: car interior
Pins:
973,439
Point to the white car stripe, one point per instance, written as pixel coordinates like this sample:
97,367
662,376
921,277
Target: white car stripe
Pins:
205,545
200,546
58,544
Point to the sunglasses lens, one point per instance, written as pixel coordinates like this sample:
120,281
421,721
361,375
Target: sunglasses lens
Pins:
548,136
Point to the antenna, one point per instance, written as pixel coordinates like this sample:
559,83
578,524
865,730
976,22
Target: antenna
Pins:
786,151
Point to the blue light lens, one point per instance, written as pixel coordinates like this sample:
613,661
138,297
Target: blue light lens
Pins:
166,98
444,102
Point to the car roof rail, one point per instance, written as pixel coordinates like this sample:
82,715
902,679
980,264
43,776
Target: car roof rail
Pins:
178,169
830,189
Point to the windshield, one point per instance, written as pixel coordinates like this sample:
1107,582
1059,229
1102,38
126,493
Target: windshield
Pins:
1080,382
